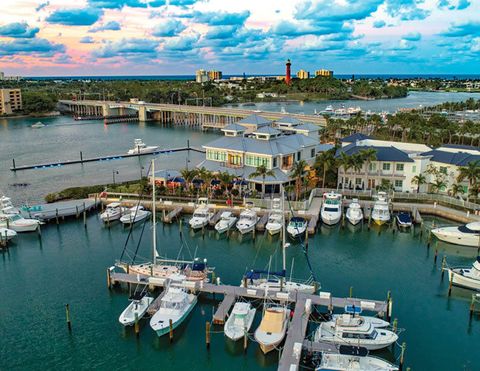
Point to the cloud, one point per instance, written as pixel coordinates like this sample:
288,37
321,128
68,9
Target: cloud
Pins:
463,29
181,43
38,47
379,24
87,40
62,59
116,4
299,28
18,30
168,27
447,4
407,10
42,6
75,17
182,3
463,4
415,36
221,18
327,10
157,3
109,26
221,32
126,48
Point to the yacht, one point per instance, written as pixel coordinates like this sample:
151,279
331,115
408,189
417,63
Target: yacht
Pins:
6,206
137,308
348,329
354,212
248,220
273,327
139,148
331,211
466,235
227,221
274,223
18,223
113,211
175,305
274,281
352,358
381,211
240,320
38,125
7,234
466,277
297,227
404,219
201,216
134,215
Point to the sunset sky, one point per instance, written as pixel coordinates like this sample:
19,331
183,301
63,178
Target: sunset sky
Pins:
144,37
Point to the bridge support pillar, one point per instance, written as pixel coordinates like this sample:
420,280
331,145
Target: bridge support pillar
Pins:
142,113
106,110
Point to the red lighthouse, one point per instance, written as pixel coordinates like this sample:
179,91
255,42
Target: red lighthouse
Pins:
288,76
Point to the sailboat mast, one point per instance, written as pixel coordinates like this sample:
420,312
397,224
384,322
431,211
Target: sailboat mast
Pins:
284,263
154,215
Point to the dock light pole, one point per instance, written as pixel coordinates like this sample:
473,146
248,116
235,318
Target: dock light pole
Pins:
113,175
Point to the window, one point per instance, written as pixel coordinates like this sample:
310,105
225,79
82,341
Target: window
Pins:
252,160
398,183
414,169
216,155
372,166
312,152
235,159
275,162
386,166
299,156
399,167
358,181
443,169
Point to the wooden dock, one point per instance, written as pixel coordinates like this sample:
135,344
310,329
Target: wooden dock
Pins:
59,210
312,225
174,214
262,222
223,309
215,218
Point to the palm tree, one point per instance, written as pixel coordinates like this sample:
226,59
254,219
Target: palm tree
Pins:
188,175
456,189
357,164
207,177
298,172
369,155
471,172
438,185
419,180
344,161
262,172
225,179
325,161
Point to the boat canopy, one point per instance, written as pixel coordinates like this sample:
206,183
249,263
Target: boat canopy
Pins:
256,274
297,219
273,320
352,309
199,266
137,296
353,350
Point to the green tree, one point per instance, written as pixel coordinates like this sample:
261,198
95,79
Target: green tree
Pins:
471,172
345,162
369,155
419,180
35,102
298,173
324,162
262,172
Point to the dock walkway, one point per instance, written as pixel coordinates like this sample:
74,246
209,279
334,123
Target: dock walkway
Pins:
61,209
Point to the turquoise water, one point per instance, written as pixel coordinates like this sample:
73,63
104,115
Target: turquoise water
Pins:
68,265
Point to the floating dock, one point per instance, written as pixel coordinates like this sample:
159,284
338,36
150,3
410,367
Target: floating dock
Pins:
174,214
61,209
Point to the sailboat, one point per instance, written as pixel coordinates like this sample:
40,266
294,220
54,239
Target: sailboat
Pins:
162,269
275,281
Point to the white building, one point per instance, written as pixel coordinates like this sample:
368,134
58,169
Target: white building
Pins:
201,76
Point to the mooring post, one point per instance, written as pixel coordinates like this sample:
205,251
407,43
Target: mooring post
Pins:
435,257
56,216
76,208
67,314
39,231
402,356
170,334
245,341
351,292
109,282
81,156
444,265
207,334
395,325
450,284
306,239
84,216
137,327
13,162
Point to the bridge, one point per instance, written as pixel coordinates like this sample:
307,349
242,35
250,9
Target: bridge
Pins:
201,116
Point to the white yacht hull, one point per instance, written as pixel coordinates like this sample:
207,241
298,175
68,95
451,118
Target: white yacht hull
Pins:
131,218
198,224
7,234
331,218
276,286
458,279
111,216
452,235
296,232
245,228
273,229
127,318
160,323
270,341
20,227
222,227
142,150
235,332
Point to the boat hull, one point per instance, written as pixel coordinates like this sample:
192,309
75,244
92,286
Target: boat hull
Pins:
451,236
129,219
165,330
331,219
460,280
127,318
28,227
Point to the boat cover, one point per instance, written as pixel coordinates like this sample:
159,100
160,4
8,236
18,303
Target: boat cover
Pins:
353,350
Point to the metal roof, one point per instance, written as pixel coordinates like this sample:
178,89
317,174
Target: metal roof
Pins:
259,121
354,137
289,120
234,127
308,127
460,146
267,130
452,158
383,153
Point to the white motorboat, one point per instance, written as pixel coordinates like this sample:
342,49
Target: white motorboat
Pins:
247,221
297,227
140,147
352,358
6,206
7,234
38,125
113,211
240,320
354,212
18,223
134,215
272,281
273,328
467,277
201,216
381,211
331,211
175,305
466,235
404,219
354,330
138,307
274,223
227,221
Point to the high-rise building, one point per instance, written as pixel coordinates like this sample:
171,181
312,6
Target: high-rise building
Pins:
302,74
322,72
10,101
288,76
214,75
201,76
2,75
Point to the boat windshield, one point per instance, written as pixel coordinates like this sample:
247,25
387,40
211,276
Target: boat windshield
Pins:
465,229
330,201
200,214
331,209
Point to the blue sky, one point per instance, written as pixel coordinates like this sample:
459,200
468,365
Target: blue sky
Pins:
122,37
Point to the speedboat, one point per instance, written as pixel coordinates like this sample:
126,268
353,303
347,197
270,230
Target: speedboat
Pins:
201,217
404,219
7,234
139,147
331,210
18,223
348,329
137,308
175,305
248,220
466,235
6,206
113,211
381,212
297,226
273,328
256,279
354,212
227,220
135,214
239,321
275,222
38,125
352,358
466,277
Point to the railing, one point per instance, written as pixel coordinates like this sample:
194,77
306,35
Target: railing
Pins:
267,203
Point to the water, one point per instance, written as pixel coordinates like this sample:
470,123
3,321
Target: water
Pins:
68,265
413,100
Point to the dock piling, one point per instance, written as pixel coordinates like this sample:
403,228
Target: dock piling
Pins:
472,306
245,342
395,325
56,216
137,326
207,334
444,264
351,292
170,333
435,257
450,285
109,282
67,314
402,356
14,166
84,216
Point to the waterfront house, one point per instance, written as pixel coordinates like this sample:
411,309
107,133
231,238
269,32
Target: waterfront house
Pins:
252,142
396,163
291,125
